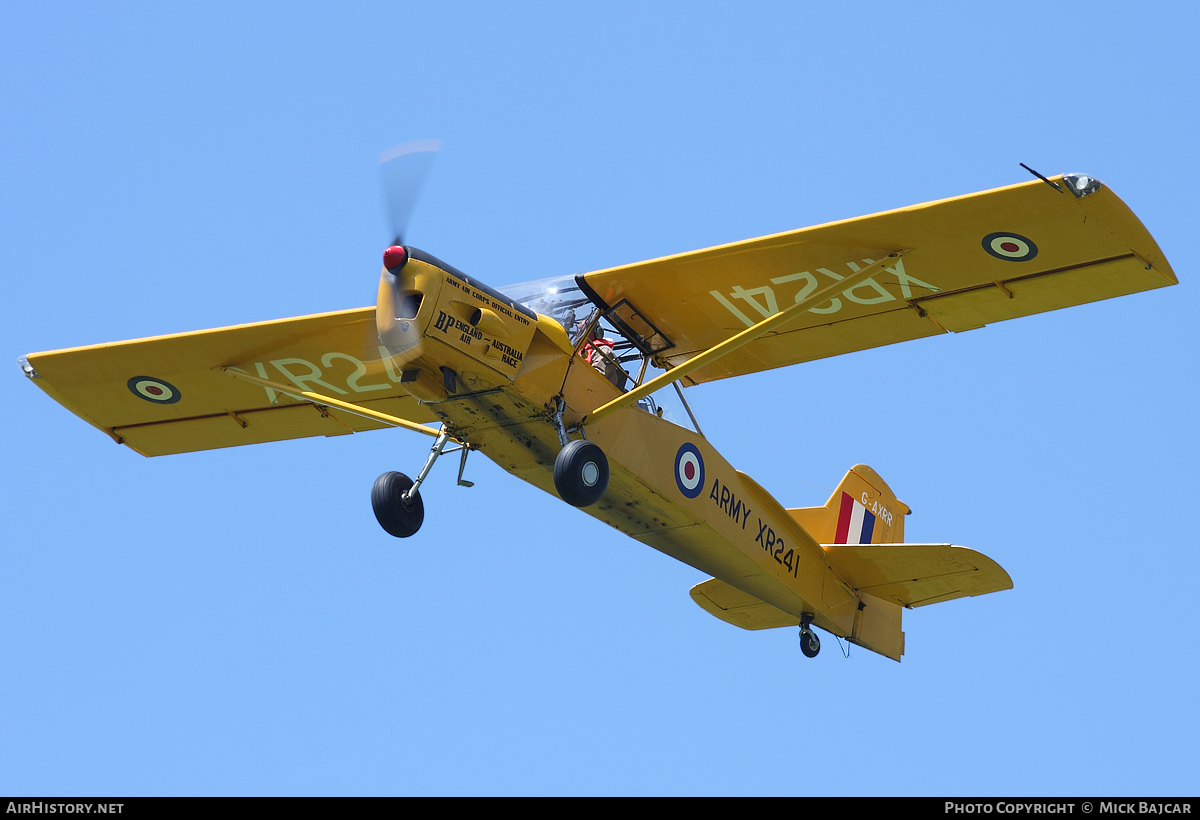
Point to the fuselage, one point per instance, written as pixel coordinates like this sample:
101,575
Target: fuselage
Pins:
492,370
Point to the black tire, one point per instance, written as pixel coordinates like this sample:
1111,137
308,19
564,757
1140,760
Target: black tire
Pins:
581,473
810,644
396,517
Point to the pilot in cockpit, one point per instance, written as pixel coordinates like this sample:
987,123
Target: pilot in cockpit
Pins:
598,352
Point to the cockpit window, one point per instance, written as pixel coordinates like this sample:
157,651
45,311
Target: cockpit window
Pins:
620,341
559,298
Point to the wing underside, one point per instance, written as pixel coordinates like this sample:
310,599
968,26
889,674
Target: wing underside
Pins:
968,262
170,394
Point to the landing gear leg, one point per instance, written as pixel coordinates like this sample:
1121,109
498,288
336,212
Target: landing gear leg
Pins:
396,499
581,468
810,644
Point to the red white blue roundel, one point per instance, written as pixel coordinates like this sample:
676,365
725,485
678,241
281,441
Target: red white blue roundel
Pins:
155,390
1011,247
689,470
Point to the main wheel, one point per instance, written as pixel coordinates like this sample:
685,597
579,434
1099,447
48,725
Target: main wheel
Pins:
581,473
393,514
810,644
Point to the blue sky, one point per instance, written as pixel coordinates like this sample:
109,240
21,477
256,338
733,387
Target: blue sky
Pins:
235,622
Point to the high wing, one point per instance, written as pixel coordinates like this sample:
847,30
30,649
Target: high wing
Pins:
966,262
172,394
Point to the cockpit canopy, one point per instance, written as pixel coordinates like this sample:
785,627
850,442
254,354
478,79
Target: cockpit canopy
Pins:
559,297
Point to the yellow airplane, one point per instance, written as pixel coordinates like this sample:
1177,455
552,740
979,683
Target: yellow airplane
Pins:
553,380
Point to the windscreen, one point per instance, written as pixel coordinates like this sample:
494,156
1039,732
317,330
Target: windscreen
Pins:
559,298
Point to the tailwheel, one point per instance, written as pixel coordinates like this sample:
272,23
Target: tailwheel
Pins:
810,644
581,473
398,511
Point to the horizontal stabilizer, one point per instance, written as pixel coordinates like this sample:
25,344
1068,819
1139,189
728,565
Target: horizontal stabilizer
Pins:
916,574
739,608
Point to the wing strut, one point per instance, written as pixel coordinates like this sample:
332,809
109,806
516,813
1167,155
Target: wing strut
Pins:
357,410
745,337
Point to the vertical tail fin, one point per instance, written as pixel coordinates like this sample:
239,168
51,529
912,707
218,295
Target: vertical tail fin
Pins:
862,510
